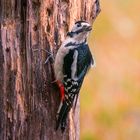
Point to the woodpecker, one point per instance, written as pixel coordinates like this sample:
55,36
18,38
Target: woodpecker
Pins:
72,62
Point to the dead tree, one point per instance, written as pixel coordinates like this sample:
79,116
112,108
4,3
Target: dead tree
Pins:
28,99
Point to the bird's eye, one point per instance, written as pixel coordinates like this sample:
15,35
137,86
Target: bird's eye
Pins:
78,25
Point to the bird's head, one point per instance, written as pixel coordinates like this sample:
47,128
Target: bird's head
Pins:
80,30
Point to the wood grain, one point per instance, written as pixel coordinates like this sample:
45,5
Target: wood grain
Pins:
28,99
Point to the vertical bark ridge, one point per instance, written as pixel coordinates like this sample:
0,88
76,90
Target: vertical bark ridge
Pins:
28,99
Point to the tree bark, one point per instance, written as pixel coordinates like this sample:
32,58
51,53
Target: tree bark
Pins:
28,99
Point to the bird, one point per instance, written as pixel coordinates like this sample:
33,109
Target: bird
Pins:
72,62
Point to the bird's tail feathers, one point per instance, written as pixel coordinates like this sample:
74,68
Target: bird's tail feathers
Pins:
62,113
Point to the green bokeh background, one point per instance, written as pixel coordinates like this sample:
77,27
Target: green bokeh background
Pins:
110,95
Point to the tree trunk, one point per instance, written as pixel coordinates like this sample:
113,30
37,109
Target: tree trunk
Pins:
28,99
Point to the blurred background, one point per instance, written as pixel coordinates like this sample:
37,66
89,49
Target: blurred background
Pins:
110,96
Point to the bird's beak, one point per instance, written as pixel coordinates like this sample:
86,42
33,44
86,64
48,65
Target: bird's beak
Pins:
88,28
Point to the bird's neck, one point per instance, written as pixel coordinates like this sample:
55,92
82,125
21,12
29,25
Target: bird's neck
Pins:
76,40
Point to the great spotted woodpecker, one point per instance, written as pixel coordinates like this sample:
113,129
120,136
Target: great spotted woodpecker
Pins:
72,62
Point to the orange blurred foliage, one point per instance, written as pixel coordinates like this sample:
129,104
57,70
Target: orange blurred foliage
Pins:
110,96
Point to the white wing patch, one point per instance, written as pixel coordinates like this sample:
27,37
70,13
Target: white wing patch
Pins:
74,66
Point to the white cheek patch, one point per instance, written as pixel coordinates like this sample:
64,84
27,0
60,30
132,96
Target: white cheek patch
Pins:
75,28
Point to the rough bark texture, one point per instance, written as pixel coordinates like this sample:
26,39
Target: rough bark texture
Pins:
28,99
